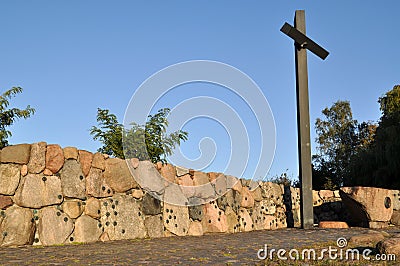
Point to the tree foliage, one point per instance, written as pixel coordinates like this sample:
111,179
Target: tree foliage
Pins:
145,142
109,133
339,138
9,115
379,164
284,180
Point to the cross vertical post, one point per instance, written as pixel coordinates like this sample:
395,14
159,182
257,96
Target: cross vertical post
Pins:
303,126
302,43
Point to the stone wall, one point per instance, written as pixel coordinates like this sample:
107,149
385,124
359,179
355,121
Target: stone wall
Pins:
50,195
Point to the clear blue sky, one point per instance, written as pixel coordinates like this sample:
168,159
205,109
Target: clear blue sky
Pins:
74,56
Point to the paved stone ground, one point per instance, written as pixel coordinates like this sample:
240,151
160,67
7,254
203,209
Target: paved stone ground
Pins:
214,249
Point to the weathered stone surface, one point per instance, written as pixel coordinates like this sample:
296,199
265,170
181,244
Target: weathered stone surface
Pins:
336,193
200,178
5,201
196,212
151,205
98,161
54,226
233,183
72,180
24,170
70,153
292,202
185,181
203,194
85,159
232,199
122,218
396,199
296,217
73,208
253,184
36,191
9,178
367,204
92,208
180,171
104,237
37,161
168,172
267,206
245,221
16,228
247,198
118,176
262,213
168,233
18,154
384,233
96,185
267,222
325,195
272,191
295,197
176,219
244,182
174,195
137,193
86,229
378,225
219,184
134,162
256,194
270,222
280,215
366,239
148,177
54,158
395,218
212,176
231,220
187,185
195,228
47,172
154,226
317,201
332,224
203,191
158,165
36,240
390,245
214,219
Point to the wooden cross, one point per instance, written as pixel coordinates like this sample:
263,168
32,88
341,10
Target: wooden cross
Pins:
302,43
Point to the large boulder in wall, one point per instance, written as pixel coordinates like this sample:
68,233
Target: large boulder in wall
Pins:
16,226
368,206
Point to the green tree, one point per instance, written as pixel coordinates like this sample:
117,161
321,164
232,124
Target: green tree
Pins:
340,138
109,133
9,115
337,137
379,163
145,142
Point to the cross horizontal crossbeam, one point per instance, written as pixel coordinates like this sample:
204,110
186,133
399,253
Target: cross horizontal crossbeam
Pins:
303,41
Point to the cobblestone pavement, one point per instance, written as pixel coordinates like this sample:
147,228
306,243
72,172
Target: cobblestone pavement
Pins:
213,249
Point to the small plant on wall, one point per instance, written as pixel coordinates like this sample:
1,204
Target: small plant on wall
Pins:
9,115
145,142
